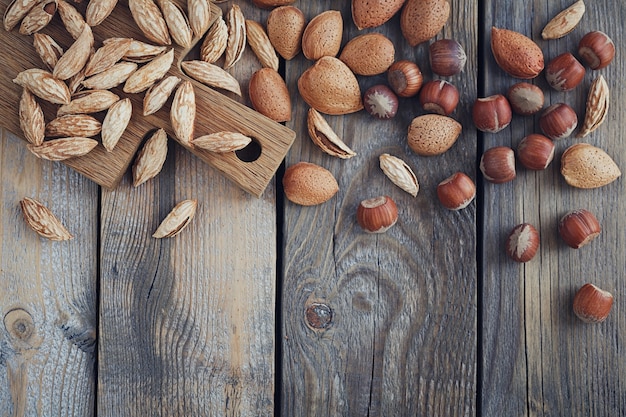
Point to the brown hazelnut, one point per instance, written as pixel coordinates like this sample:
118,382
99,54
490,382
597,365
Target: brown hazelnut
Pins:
591,304
522,242
447,57
377,215
535,151
596,49
491,114
457,191
439,97
564,72
558,121
579,227
525,98
405,78
380,102
498,164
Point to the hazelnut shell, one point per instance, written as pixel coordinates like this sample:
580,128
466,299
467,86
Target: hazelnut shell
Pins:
592,304
578,228
522,242
377,215
374,13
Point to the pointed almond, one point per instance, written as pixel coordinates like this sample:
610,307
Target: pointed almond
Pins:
150,20
261,45
236,36
49,51
146,76
158,94
73,125
141,52
107,55
585,166
38,17
111,77
115,123
177,219
222,142
177,23
31,118
72,20
564,22
75,58
325,137
90,101
98,10
62,149
597,106
199,12
16,11
151,158
214,43
42,84
211,75
285,26
399,173
183,112
41,219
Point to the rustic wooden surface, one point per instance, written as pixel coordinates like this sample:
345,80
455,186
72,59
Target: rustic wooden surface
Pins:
262,307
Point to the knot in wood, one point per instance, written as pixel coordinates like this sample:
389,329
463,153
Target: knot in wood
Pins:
319,316
19,324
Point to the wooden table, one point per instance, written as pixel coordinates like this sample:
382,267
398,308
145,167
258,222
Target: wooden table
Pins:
262,307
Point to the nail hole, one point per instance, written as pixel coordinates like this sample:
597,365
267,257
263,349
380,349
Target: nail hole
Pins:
250,153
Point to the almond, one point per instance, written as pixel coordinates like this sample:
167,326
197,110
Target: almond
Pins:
433,134
285,26
322,36
369,54
266,4
325,137
421,20
374,13
98,10
516,54
330,87
309,184
564,22
41,219
269,95
585,166
177,219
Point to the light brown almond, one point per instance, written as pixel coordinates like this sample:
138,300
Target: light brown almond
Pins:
177,23
150,158
62,149
41,219
597,106
374,13
261,45
158,94
107,55
399,172
222,142
72,20
330,87
285,26
49,51
309,184
421,20
98,10
236,43
115,123
75,82
368,54
150,20
146,76
269,95
141,52
38,17
42,84
179,218
564,22
75,58
16,11
211,75
111,77
325,137
199,12
516,53
214,43
73,125
586,166
91,101
322,36
31,118
432,134
183,112
268,4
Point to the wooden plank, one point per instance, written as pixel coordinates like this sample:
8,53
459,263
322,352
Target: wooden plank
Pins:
187,324
382,324
47,290
538,358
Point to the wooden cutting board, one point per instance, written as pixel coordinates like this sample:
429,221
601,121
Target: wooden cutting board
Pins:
215,111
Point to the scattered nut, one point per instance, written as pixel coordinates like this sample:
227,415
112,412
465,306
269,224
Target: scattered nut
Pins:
579,227
564,72
309,184
522,243
498,164
432,134
558,121
380,102
591,304
535,151
377,215
492,114
525,98
439,97
586,166
596,49
516,54
564,22
447,57
405,78
456,192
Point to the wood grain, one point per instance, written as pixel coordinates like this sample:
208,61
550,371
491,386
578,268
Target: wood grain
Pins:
48,290
187,324
216,112
382,325
538,358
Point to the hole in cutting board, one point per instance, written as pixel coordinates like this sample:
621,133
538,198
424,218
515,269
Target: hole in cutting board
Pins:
250,153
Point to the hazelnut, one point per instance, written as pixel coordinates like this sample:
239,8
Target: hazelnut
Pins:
380,102
591,304
447,57
525,98
564,72
491,114
535,151
405,78
456,192
377,215
439,97
498,164
522,242
558,121
579,227
596,49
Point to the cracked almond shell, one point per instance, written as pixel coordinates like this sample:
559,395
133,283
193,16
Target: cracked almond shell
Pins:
586,166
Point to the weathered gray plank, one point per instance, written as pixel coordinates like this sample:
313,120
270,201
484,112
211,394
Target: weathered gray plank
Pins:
538,358
187,324
47,289
402,335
